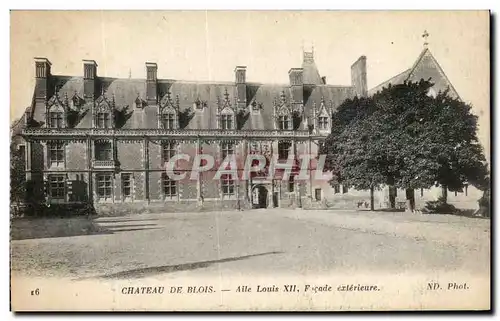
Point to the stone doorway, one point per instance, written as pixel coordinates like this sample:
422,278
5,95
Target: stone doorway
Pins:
260,196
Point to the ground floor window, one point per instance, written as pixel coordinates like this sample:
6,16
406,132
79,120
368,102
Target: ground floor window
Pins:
104,186
317,194
345,189
336,188
169,186
56,187
126,185
227,184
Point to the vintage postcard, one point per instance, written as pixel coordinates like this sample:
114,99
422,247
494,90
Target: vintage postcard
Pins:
250,160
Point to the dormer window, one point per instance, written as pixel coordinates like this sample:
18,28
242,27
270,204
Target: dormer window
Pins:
322,123
168,112
103,120
225,113
282,113
56,120
226,122
322,116
103,112
168,121
56,111
284,122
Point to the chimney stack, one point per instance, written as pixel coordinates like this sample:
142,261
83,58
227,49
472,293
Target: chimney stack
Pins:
89,79
151,83
358,77
297,89
42,75
296,85
241,86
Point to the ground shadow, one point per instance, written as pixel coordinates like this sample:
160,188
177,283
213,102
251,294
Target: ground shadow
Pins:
119,220
150,271
28,229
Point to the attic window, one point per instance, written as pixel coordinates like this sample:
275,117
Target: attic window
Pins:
322,123
55,120
168,121
226,121
284,122
103,120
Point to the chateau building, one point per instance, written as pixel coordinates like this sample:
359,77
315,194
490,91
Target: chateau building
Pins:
105,141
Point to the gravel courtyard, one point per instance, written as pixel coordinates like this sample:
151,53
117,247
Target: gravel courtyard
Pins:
302,242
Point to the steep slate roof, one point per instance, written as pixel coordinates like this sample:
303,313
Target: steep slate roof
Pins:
311,74
426,66
125,92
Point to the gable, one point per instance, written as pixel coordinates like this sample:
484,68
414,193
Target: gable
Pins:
427,67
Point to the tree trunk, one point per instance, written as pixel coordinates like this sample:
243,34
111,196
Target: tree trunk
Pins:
372,199
444,193
392,196
410,200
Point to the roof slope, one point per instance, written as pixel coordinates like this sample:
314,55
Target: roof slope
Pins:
425,67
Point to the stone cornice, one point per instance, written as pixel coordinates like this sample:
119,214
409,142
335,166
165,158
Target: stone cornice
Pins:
162,133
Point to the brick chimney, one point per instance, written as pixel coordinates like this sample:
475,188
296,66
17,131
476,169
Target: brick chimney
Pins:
151,83
43,77
358,77
89,79
241,86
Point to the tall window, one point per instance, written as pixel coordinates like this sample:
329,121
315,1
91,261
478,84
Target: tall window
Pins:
284,122
283,150
103,120
168,150
56,153
227,184
168,121
323,122
126,185
291,184
345,189
103,151
226,121
227,149
169,186
56,119
56,187
104,186
336,188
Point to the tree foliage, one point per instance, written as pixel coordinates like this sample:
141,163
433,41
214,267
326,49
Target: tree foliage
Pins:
406,138
17,175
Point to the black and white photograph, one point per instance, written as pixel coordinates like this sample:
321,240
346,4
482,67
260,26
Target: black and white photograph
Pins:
250,160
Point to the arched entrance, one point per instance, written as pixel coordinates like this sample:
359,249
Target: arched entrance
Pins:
260,196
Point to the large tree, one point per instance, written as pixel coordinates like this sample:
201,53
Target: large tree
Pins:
405,138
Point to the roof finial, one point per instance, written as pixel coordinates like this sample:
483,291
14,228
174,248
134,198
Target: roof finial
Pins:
129,73
425,35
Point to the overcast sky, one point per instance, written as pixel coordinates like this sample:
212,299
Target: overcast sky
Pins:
208,45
